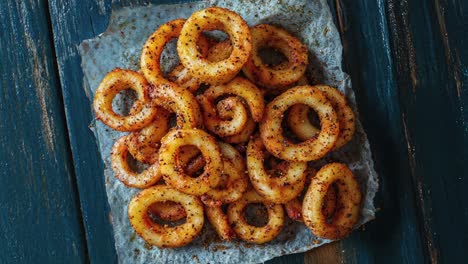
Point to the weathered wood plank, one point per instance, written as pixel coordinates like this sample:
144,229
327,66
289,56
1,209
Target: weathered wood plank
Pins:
429,46
39,210
72,22
330,254
394,236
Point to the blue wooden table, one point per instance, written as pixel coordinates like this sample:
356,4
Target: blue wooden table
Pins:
409,65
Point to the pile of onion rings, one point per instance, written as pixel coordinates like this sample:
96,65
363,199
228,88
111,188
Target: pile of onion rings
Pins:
190,169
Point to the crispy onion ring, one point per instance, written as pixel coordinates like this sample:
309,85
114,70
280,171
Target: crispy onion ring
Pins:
349,199
210,19
164,236
115,82
250,233
172,170
236,183
301,126
192,162
152,50
271,131
265,35
168,211
274,189
125,174
239,87
219,220
302,81
143,145
298,118
238,116
227,109
181,102
219,51
182,77
294,207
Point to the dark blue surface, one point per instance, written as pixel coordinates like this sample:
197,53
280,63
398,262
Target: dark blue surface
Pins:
394,236
40,217
429,43
408,63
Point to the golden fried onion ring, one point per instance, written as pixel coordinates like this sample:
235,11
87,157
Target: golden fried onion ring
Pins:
182,77
143,145
250,233
125,174
265,35
271,131
210,19
239,87
192,162
181,102
298,119
173,171
115,82
219,51
349,199
219,220
152,50
164,236
302,81
294,207
237,180
274,189
299,122
228,109
236,119
168,211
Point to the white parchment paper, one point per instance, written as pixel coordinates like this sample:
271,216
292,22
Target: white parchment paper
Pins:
120,46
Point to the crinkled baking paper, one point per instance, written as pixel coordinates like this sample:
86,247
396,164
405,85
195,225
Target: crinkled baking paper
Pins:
120,46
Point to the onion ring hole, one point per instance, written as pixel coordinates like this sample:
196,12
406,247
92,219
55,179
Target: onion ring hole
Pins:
124,102
256,214
167,213
272,57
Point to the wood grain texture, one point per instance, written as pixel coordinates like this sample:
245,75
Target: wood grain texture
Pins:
429,46
329,253
39,210
72,22
393,237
